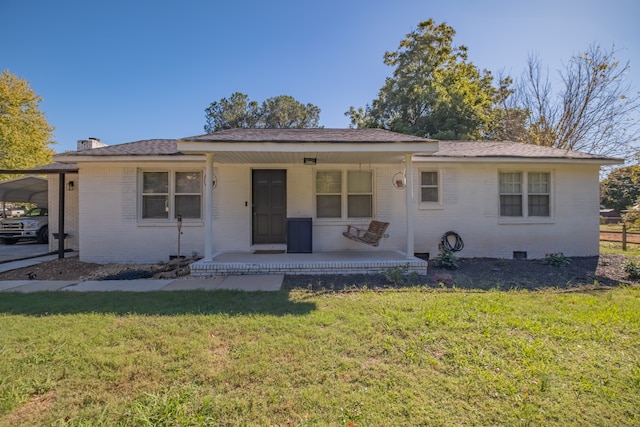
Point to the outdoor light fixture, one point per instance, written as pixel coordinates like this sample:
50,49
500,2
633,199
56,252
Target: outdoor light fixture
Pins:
310,161
399,180
70,185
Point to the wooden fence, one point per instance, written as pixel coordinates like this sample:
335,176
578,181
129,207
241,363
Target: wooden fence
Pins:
623,237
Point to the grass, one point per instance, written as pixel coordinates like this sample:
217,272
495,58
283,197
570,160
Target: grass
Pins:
618,228
409,357
633,250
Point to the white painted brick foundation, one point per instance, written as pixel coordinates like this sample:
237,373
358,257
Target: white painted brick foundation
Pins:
341,262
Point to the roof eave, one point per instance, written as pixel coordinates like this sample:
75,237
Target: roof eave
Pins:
518,159
129,158
70,169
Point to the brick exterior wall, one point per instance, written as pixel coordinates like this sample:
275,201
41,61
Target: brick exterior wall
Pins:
107,227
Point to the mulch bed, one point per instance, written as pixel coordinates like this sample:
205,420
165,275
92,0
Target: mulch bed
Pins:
473,273
487,273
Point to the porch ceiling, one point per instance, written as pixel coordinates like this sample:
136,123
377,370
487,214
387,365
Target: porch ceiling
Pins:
296,152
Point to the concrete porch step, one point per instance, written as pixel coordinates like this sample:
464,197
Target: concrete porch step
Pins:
339,262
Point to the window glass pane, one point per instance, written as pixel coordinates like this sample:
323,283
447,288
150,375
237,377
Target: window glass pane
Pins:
359,182
155,207
429,178
429,194
429,186
328,206
538,183
510,205
155,182
188,206
510,183
328,182
539,205
188,182
359,206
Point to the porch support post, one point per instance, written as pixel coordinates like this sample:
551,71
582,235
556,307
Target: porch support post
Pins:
208,208
409,207
61,187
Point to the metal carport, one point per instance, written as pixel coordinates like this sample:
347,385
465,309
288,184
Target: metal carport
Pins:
53,168
27,189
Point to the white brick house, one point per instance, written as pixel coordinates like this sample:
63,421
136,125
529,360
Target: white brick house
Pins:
235,189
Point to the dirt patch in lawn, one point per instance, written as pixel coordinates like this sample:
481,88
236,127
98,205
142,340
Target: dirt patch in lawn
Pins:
31,410
74,269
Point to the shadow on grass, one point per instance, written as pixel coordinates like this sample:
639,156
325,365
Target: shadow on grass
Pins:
233,303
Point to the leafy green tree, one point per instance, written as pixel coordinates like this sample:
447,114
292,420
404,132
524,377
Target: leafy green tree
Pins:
285,112
621,188
508,122
278,112
435,91
593,108
25,135
235,112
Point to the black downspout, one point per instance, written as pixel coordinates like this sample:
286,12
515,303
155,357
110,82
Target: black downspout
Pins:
61,217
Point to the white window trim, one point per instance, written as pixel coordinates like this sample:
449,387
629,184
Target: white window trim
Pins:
525,218
429,205
344,207
171,220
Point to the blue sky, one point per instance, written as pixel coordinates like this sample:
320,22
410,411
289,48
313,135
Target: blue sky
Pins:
139,69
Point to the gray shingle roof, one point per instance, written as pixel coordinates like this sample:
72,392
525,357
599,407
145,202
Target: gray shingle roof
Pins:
447,149
307,135
147,147
480,149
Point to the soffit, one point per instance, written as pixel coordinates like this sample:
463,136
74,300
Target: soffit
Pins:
299,158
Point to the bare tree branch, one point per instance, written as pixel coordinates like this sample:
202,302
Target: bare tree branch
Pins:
594,111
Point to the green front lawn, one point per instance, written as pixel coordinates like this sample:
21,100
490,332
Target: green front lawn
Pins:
363,358
633,250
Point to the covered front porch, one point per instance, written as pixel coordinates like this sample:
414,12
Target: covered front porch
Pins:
269,176
334,262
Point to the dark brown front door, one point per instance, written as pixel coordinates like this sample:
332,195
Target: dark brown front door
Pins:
269,206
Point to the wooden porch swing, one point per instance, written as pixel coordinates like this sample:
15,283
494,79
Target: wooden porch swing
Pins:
370,236
374,233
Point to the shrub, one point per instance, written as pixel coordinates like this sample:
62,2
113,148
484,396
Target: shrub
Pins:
632,268
446,259
556,259
399,275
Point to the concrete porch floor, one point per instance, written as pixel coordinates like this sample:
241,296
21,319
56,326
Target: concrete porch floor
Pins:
335,262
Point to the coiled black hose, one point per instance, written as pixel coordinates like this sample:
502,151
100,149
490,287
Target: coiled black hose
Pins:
446,243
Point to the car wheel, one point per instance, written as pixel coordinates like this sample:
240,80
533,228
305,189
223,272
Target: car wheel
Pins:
8,241
43,235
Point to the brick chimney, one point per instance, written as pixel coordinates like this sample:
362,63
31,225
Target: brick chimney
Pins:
90,144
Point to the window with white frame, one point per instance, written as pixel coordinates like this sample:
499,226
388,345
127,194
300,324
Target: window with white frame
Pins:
539,193
167,194
525,194
429,187
329,194
337,197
